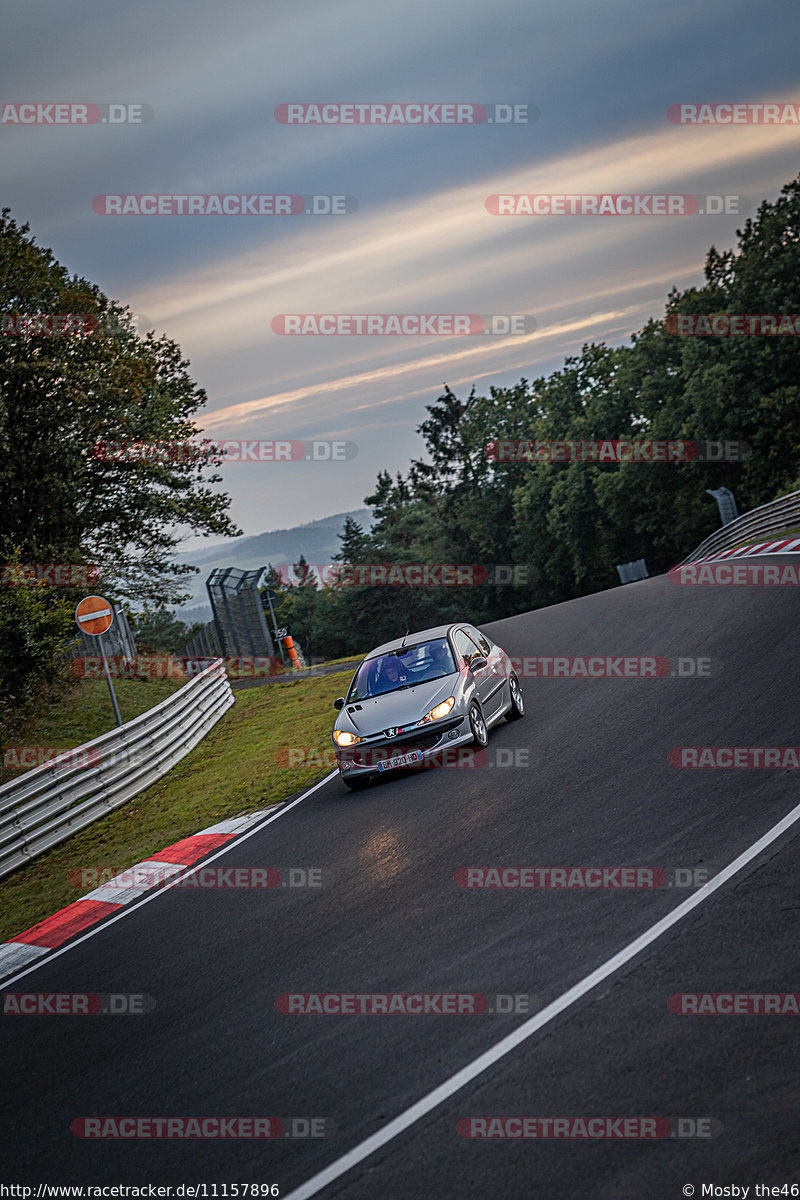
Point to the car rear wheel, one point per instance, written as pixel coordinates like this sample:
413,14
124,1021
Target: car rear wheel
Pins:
517,709
480,734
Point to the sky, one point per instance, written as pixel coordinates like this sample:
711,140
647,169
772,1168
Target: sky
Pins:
595,82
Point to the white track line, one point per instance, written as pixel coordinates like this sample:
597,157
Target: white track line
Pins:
526,1030
184,871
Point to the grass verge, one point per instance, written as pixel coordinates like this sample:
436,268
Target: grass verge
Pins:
83,714
236,769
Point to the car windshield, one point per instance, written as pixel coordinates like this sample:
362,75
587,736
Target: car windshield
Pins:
402,668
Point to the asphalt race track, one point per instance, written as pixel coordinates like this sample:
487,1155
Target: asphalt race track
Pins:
597,790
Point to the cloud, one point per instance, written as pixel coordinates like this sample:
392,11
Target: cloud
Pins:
445,253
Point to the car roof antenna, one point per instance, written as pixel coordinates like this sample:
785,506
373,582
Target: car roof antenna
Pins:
402,644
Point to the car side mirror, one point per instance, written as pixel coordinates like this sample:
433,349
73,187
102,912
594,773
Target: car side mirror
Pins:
477,664
339,702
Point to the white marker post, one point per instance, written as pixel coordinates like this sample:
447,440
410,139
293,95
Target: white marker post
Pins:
94,615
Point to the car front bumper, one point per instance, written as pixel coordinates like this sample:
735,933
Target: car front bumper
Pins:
432,742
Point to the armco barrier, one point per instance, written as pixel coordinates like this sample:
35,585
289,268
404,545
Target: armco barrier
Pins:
49,803
759,522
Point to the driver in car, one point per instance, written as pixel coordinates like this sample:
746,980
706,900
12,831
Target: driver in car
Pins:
392,673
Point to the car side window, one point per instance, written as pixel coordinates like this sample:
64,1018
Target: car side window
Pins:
481,639
465,646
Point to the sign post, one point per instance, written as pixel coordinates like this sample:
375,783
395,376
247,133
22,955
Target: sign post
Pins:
270,597
94,615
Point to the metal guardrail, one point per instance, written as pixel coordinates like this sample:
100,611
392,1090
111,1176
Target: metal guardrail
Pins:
48,804
759,523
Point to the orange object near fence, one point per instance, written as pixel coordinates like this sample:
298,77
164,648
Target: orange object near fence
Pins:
288,642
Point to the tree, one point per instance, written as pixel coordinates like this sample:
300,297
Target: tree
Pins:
158,631
574,521
65,396
36,629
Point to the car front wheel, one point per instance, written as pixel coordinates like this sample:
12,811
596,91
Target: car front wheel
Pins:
480,734
517,709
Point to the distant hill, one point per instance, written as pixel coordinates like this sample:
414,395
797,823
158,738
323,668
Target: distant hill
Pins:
317,540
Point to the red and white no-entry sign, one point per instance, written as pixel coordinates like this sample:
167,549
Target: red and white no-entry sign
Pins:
94,615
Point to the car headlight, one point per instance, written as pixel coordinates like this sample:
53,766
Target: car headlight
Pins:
343,738
440,711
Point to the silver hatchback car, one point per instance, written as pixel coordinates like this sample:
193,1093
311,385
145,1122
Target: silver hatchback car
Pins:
413,697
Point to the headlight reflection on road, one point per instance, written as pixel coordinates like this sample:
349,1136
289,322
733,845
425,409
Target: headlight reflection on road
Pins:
384,856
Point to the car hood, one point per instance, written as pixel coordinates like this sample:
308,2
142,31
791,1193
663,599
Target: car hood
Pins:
397,708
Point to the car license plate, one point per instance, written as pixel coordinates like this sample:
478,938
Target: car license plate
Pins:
401,760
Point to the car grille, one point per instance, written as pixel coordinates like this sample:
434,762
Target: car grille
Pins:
368,756
411,741
424,738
